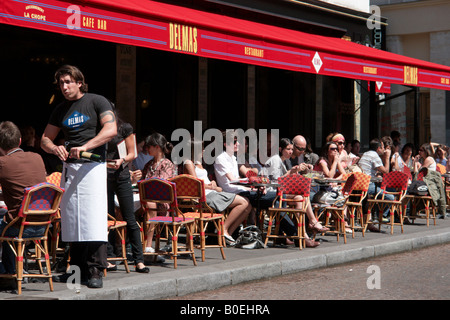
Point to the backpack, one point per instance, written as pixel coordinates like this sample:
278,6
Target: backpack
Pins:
418,188
250,238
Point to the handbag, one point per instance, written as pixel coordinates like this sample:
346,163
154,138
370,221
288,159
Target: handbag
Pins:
329,197
418,188
250,238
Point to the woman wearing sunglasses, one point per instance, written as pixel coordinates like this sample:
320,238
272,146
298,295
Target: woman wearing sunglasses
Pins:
339,140
425,158
329,163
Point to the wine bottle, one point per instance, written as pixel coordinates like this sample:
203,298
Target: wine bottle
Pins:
90,156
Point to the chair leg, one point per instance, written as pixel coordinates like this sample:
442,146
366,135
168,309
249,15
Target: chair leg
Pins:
202,238
121,232
190,241
19,266
48,266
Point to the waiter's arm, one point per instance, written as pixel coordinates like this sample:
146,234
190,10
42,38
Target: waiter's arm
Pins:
47,144
108,131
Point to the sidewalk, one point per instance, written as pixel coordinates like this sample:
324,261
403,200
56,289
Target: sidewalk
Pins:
242,265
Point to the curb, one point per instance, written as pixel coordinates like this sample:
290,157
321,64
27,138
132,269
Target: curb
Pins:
202,278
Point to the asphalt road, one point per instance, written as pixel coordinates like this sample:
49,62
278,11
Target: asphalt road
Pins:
414,275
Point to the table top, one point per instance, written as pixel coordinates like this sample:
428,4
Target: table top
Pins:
254,184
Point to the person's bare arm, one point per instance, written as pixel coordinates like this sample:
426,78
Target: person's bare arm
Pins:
50,133
108,131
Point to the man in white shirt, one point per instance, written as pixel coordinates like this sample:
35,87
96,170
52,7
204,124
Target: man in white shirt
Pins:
375,162
226,170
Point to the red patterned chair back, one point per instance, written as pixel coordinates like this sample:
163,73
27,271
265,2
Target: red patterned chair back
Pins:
395,179
158,190
407,171
349,185
362,181
360,187
294,184
422,173
191,189
189,186
41,199
54,178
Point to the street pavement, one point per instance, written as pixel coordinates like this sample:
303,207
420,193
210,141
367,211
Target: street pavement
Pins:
240,266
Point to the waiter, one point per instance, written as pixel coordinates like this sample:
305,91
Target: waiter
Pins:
88,123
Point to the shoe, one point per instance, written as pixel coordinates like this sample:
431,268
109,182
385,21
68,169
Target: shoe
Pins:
149,250
95,281
229,240
143,270
318,229
349,230
372,228
158,258
310,243
62,278
166,248
112,268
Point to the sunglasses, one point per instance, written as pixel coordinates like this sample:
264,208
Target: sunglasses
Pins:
333,149
299,149
341,143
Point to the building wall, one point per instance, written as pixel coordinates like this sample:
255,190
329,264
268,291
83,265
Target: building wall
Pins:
420,29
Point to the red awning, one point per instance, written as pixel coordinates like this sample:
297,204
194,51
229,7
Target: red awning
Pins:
167,27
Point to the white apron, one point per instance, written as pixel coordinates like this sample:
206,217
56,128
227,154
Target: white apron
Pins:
84,205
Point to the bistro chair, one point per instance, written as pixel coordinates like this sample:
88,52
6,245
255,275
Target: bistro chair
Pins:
55,230
161,191
39,206
120,228
422,207
289,187
337,211
191,196
396,184
355,210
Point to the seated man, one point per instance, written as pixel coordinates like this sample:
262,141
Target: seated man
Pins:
18,170
306,160
226,170
375,162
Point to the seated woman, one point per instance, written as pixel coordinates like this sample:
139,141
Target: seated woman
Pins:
440,154
329,163
276,168
331,166
404,159
216,198
339,140
158,167
425,158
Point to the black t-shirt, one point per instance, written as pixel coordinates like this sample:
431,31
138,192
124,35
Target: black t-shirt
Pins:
80,120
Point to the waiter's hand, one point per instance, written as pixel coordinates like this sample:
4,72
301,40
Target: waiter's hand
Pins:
74,153
60,152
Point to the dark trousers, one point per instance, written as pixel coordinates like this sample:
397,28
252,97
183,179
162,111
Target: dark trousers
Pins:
121,186
89,256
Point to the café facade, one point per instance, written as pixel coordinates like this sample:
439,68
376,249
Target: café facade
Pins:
297,66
